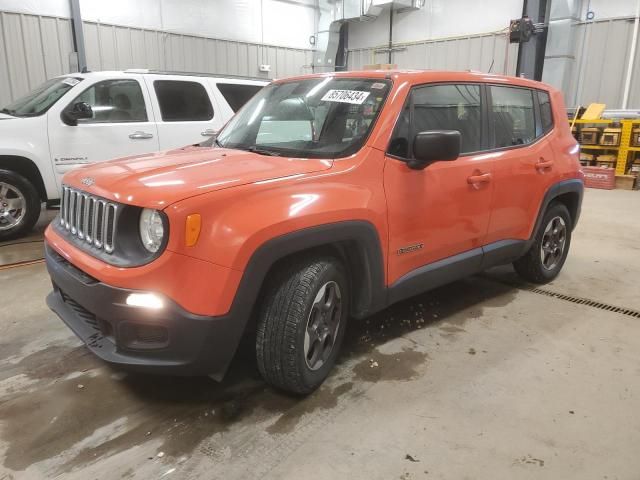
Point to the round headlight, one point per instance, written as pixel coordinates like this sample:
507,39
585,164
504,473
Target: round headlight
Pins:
151,229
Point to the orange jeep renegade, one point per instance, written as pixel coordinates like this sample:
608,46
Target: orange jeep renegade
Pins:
326,197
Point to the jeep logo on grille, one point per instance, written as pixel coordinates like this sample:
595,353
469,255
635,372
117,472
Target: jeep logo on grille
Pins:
88,181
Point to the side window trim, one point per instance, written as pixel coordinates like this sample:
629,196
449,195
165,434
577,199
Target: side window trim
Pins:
150,101
537,119
411,130
553,121
484,115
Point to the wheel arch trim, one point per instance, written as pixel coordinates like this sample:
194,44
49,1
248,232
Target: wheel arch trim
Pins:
359,243
26,167
574,186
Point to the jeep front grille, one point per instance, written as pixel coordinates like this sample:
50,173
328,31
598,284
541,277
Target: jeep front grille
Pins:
89,218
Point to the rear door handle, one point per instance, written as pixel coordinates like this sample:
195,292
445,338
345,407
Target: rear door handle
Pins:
479,179
209,132
140,135
544,164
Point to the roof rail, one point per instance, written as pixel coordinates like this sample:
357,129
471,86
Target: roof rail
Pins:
194,74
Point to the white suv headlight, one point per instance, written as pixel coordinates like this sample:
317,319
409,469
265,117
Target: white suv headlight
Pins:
151,229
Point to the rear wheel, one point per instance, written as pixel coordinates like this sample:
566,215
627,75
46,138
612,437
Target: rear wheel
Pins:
302,323
19,205
544,260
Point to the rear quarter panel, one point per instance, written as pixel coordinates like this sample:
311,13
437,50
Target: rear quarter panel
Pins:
565,147
566,152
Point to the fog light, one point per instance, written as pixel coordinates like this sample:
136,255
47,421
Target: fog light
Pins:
145,300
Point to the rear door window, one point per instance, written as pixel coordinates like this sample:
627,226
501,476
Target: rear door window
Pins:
237,94
183,101
512,116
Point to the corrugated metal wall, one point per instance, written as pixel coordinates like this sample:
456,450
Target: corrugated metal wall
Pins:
111,47
601,56
34,48
476,52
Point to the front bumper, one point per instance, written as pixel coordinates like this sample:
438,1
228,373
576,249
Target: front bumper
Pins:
168,340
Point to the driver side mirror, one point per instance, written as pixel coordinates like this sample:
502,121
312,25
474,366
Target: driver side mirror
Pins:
434,146
78,111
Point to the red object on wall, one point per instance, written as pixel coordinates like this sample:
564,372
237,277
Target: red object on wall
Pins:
598,177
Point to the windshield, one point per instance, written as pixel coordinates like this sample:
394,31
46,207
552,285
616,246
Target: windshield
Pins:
315,118
40,100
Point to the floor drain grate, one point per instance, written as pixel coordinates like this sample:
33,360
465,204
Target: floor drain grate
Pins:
585,301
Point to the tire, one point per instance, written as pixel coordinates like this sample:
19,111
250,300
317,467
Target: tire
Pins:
538,266
299,334
16,191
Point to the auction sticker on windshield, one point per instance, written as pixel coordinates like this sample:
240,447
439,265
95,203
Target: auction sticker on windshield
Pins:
345,96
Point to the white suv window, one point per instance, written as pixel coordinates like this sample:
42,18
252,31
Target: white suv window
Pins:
114,101
237,94
183,101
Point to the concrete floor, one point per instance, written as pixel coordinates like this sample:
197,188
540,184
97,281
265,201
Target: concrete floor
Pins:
481,379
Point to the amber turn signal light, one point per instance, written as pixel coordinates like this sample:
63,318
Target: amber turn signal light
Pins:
192,229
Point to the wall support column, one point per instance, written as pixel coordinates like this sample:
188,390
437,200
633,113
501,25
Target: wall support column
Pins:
531,54
78,35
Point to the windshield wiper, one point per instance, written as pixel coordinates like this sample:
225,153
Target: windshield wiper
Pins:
262,151
8,112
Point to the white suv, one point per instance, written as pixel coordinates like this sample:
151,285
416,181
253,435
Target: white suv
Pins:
84,118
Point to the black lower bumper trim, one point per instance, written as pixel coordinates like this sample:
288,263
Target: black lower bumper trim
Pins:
177,342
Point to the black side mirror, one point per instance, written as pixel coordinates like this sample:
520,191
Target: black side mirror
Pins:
434,146
77,111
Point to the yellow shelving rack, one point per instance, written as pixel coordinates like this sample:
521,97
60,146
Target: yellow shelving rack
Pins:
623,148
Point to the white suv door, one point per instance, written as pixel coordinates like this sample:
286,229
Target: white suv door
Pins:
186,110
122,125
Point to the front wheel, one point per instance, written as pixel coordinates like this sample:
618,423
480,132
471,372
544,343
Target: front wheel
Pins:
301,325
544,260
19,205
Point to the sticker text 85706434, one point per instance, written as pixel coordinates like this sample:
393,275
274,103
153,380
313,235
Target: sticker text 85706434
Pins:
345,96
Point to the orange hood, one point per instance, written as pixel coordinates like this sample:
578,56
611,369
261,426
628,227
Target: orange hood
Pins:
160,179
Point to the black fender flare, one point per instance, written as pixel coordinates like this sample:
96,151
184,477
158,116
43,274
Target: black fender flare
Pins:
357,240
574,186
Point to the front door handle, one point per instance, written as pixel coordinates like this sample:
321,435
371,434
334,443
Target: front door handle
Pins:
478,179
543,164
209,132
140,135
